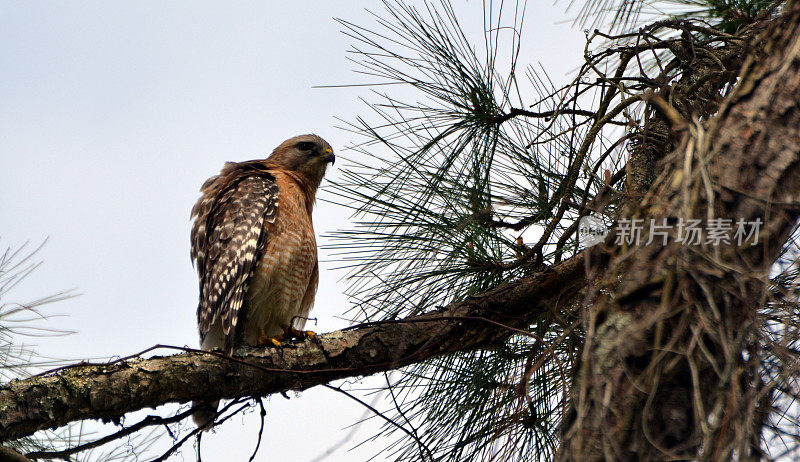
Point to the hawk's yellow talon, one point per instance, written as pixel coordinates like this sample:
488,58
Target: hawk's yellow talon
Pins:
264,339
300,333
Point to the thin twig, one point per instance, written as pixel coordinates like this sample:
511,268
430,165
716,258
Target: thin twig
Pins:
197,430
263,414
148,421
390,421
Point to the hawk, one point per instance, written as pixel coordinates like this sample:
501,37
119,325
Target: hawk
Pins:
254,248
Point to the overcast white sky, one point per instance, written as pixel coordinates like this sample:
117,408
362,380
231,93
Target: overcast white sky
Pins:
112,114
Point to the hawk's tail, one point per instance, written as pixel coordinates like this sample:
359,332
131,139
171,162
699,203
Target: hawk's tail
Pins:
204,414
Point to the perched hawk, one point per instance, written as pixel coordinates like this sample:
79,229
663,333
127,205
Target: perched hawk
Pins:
254,248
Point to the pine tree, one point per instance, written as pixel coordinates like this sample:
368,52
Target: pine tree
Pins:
515,340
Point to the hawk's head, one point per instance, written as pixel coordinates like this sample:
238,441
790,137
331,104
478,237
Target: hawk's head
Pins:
305,154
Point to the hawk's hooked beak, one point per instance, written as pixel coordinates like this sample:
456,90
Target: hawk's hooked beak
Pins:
328,156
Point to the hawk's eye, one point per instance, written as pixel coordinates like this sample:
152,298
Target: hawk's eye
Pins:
305,146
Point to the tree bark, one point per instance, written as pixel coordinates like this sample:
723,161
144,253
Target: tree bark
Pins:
10,455
670,365
109,391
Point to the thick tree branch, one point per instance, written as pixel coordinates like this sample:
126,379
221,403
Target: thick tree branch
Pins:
10,455
109,391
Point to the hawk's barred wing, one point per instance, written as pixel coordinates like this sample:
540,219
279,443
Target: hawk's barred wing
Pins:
227,237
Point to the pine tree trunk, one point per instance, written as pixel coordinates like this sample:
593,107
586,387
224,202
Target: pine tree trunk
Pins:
670,364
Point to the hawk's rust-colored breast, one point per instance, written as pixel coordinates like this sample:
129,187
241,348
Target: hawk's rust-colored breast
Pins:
286,269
